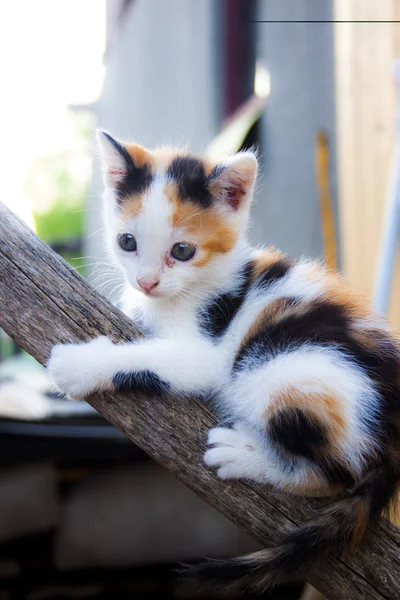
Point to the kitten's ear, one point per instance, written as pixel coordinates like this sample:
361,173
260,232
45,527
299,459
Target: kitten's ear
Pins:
115,158
234,179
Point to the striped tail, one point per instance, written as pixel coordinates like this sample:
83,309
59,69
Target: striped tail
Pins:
337,528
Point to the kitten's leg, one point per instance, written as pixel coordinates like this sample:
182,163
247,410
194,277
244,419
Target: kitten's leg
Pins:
154,366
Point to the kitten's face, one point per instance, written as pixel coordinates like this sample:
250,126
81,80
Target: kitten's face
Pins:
173,220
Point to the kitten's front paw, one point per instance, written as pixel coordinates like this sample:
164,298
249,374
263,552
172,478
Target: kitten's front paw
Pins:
235,453
77,370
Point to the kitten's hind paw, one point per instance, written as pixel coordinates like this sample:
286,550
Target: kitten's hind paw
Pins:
235,453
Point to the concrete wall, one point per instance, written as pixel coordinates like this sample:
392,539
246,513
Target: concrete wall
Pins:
159,86
299,57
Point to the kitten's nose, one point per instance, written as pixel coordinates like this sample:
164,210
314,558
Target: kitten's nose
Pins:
148,285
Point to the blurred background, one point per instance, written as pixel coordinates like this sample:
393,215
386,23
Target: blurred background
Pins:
83,513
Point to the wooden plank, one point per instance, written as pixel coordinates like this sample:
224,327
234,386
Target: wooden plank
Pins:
365,122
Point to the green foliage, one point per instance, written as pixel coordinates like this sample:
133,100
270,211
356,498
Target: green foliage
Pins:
59,223
57,185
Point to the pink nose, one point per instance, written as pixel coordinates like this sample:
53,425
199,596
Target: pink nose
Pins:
147,286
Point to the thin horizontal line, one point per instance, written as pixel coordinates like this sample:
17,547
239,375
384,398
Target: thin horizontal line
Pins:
323,21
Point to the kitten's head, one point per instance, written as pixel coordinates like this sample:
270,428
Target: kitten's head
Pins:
173,219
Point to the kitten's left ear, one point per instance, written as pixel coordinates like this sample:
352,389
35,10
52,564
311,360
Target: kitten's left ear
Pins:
115,158
234,179
120,160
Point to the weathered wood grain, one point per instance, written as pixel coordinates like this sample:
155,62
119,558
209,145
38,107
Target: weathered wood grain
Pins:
44,301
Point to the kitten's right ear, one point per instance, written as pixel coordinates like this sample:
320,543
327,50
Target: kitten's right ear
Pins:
117,162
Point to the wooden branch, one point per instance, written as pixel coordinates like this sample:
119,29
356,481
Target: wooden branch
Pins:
44,301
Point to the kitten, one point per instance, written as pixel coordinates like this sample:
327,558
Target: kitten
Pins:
307,377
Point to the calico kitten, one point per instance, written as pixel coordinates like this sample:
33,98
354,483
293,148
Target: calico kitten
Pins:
306,376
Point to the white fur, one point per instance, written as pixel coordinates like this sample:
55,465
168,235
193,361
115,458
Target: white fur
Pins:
237,454
154,237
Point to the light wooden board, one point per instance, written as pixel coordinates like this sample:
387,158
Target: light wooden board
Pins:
365,120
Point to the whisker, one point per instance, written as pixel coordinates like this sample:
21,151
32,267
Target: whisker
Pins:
100,278
188,218
95,232
110,293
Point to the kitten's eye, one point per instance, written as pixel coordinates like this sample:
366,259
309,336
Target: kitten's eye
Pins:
127,242
183,251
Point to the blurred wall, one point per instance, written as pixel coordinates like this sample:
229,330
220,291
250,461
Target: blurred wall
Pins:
159,82
299,57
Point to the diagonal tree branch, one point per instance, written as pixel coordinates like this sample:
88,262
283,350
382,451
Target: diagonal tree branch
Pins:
44,301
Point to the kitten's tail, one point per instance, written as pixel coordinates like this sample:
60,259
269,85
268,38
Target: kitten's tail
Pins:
335,529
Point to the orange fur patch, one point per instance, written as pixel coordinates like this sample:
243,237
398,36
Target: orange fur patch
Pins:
140,155
131,207
314,486
365,327
273,312
369,338
325,406
213,232
336,289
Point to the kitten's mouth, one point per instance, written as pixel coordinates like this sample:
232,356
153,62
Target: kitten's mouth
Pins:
155,293
147,293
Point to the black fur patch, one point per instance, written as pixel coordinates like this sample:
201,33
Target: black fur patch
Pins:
274,272
297,433
334,471
326,324
379,485
137,179
329,324
141,382
189,174
216,317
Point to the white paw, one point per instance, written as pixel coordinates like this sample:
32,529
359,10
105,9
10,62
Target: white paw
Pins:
235,453
77,370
